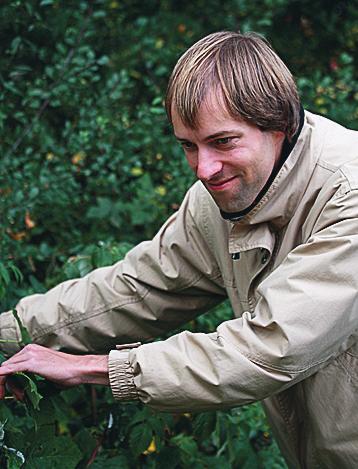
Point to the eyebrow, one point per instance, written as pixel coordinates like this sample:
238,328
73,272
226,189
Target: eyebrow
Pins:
221,133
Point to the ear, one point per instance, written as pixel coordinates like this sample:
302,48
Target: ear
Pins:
278,136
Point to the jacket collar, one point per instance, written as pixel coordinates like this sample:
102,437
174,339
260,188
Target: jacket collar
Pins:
277,206
287,147
278,203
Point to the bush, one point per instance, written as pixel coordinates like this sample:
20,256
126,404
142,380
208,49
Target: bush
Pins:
89,167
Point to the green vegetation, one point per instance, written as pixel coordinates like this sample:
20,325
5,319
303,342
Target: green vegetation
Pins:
89,168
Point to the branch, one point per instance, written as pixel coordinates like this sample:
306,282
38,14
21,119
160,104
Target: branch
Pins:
46,102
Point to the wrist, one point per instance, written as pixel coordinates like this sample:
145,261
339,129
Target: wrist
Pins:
94,369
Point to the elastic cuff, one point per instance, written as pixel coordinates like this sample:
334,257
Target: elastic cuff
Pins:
121,376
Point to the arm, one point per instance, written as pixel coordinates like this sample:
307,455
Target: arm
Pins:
61,368
160,285
306,316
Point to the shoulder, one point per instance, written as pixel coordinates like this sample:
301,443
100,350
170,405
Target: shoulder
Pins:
337,145
335,150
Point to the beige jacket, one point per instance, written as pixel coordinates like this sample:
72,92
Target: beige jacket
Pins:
294,295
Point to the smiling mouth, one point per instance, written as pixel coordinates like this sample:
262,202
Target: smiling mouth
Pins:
221,185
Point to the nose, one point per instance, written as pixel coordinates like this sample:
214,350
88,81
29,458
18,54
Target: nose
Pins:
207,165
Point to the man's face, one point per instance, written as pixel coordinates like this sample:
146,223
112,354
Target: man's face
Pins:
232,158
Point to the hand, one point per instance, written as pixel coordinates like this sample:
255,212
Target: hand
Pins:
61,368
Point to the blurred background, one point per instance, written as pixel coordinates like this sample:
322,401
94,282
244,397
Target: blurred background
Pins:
89,166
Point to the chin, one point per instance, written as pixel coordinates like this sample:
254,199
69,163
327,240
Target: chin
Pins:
228,208
231,205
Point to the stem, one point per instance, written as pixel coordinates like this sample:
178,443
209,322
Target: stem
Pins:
94,405
9,341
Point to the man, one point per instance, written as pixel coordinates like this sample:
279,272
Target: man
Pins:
271,225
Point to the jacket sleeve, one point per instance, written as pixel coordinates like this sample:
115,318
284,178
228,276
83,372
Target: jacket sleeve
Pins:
160,285
306,315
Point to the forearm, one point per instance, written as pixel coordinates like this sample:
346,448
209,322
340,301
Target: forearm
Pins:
193,372
61,368
93,369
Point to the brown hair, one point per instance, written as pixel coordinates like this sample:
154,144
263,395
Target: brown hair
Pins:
255,84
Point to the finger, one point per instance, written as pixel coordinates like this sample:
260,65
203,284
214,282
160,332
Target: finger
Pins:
14,368
15,357
18,358
25,359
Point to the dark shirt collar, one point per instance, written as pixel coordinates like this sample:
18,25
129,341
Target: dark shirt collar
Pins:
286,150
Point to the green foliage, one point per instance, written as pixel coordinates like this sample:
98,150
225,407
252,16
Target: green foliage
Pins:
28,384
65,429
89,168
8,271
25,336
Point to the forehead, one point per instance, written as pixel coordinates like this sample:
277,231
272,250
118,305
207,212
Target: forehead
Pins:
212,117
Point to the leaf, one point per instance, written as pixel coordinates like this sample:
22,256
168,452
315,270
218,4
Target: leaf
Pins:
189,452
2,358
25,336
16,273
14,458
46,418
2,432
29,222
140,438
102,210
4,274
36,285
15,45
30,388
101,257
186,444
141,416
57,453
168,457
86,442
204,425
118,462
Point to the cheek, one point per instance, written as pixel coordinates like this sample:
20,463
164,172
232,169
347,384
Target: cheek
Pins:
240,160
191,159
251,160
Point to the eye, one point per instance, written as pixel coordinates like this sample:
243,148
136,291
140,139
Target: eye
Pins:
187,146
223,141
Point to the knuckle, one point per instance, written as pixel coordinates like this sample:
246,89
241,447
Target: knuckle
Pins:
30,347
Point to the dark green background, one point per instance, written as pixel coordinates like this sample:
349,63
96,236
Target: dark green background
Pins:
89,167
